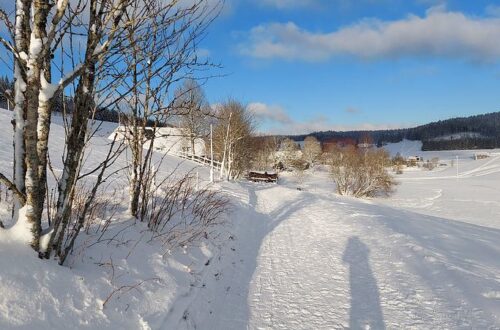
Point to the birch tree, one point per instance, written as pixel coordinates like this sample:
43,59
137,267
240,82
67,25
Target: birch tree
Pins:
192,111
161,52
312,149
233,139
105,23
289,152
39,30
85,41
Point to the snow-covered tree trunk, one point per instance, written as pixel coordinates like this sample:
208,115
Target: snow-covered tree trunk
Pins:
75,143
84,107
35,194
22,32
44,119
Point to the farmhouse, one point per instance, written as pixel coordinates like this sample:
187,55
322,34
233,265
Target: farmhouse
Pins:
481,155
331,144
366,145
172,140
415,159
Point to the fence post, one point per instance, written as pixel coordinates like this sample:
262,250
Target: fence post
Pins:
197,180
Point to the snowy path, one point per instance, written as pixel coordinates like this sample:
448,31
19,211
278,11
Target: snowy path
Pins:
329,263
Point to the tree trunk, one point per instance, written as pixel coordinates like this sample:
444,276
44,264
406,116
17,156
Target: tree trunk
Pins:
34,200
22,37
84,105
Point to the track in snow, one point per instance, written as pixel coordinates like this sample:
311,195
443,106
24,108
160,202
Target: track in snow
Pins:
327,262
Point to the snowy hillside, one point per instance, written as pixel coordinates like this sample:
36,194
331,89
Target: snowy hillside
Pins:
405,148
427,257
117,278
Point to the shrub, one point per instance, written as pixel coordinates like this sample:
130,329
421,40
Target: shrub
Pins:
361,173
178,213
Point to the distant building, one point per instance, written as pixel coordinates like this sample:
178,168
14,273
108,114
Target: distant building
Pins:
172,140
365,145
481,155
300,144
331,144
415,159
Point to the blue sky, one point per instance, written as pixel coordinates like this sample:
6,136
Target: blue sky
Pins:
308,65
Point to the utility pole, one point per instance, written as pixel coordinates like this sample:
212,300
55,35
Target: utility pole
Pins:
223,165
7,94
211,154
197,180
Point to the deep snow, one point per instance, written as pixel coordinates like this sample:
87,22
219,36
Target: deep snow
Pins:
426,258
310,260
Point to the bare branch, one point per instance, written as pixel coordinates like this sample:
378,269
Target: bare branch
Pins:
20,196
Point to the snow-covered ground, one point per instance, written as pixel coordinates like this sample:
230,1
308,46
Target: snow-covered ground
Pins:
472,196
428,257
312,260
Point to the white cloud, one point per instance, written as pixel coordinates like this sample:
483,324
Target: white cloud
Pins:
266,112
203,52
439,33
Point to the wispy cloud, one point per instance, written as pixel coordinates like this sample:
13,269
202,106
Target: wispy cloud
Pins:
493,10
322,124
352,110
271,113
275,120
439,33
288,4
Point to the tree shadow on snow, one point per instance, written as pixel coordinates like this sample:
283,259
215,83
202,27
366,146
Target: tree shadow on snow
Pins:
232,309
365,312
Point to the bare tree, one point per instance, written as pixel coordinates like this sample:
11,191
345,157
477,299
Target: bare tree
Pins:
312,149
232,139
40,30
105,22
161,51
289,152
361,174
192,111
265,152
44,38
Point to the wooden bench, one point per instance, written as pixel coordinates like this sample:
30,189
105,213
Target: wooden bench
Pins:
262,177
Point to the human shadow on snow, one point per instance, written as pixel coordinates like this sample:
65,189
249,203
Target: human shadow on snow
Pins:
458,261
365,312
233,311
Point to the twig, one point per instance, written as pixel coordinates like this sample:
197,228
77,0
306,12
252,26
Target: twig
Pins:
127,288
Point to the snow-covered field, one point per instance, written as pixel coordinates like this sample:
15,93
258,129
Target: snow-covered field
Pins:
428,257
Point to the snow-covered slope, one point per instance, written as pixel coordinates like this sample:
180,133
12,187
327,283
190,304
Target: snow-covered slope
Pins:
426,258
405,148
312,260
116,279
463,189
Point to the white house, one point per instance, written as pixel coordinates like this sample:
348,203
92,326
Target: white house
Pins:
415,159
172,140
481,155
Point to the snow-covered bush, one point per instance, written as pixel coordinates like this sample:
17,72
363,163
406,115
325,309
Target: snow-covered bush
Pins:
431,164
93,209
312,150
361,173
288,153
